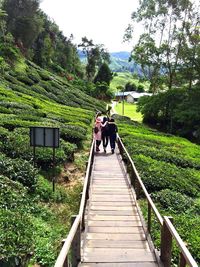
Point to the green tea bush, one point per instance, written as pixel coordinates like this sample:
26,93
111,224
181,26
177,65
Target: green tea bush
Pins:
73,134
25,79
44,75
69,150
45,193
159,152
19,170
16,228
10,78
173,201
34,76
159,175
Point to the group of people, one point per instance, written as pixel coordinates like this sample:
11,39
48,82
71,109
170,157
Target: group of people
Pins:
105,130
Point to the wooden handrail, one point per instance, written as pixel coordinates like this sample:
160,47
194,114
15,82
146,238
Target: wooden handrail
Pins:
61,260
86,181
188,257
67,244
168,230
159,217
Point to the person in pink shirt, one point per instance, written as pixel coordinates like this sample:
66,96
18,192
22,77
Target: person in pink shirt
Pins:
97,133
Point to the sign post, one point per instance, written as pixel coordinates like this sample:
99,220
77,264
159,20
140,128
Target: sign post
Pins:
45,137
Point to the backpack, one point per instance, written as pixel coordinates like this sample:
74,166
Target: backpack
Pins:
96,129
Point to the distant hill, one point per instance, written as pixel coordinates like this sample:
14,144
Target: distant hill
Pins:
119,62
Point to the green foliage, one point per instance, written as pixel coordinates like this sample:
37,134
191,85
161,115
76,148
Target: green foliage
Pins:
168,47
169,168
9,52
160,175
15,223
19,170
173,201
176,111
104,74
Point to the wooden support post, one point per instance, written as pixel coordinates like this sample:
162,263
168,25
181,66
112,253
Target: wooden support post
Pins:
66,262
76,245
166,244
137,189
149,217
182,262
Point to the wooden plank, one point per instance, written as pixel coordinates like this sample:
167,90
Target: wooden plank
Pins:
118,198
112,212
108,174
102,169
113,192
127,208
117,255
95,217
108,223
112,203
122,264
116,229
116,237
119,244
109,185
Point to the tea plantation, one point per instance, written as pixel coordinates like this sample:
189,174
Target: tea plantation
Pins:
170,169
33,219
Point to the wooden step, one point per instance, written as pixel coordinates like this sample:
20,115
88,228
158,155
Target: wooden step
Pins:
119,244
107,223
117,255
117,264
116,237
116,229
98,217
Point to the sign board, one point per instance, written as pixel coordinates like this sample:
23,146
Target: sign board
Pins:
44,137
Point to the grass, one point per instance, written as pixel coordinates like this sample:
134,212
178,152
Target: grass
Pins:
129,111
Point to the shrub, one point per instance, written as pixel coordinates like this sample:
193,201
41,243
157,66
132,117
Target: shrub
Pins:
25,79
173,201
16,228
160,175
73,134
18,170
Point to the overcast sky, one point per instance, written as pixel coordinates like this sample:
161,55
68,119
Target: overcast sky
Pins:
103,21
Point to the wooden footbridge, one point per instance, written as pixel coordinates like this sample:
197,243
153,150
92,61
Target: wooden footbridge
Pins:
109,230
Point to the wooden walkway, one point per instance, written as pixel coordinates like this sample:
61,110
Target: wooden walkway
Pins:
114,236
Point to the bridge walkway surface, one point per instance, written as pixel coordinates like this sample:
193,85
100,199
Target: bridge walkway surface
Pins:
114,235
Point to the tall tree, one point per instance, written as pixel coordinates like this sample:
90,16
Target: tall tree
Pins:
23,21
167,29
96,55
104,74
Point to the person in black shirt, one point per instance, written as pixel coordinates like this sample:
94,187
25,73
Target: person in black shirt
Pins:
113,134
105,132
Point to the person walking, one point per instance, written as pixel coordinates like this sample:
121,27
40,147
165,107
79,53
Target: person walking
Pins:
97,133
105,133
113,134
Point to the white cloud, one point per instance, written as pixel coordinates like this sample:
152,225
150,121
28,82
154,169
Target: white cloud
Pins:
103,21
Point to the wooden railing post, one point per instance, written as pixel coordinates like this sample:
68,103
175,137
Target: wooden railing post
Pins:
137,189
182,261
66,262
149,218
166,244
76,245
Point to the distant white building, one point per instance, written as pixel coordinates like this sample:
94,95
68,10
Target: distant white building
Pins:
130,97
134,96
